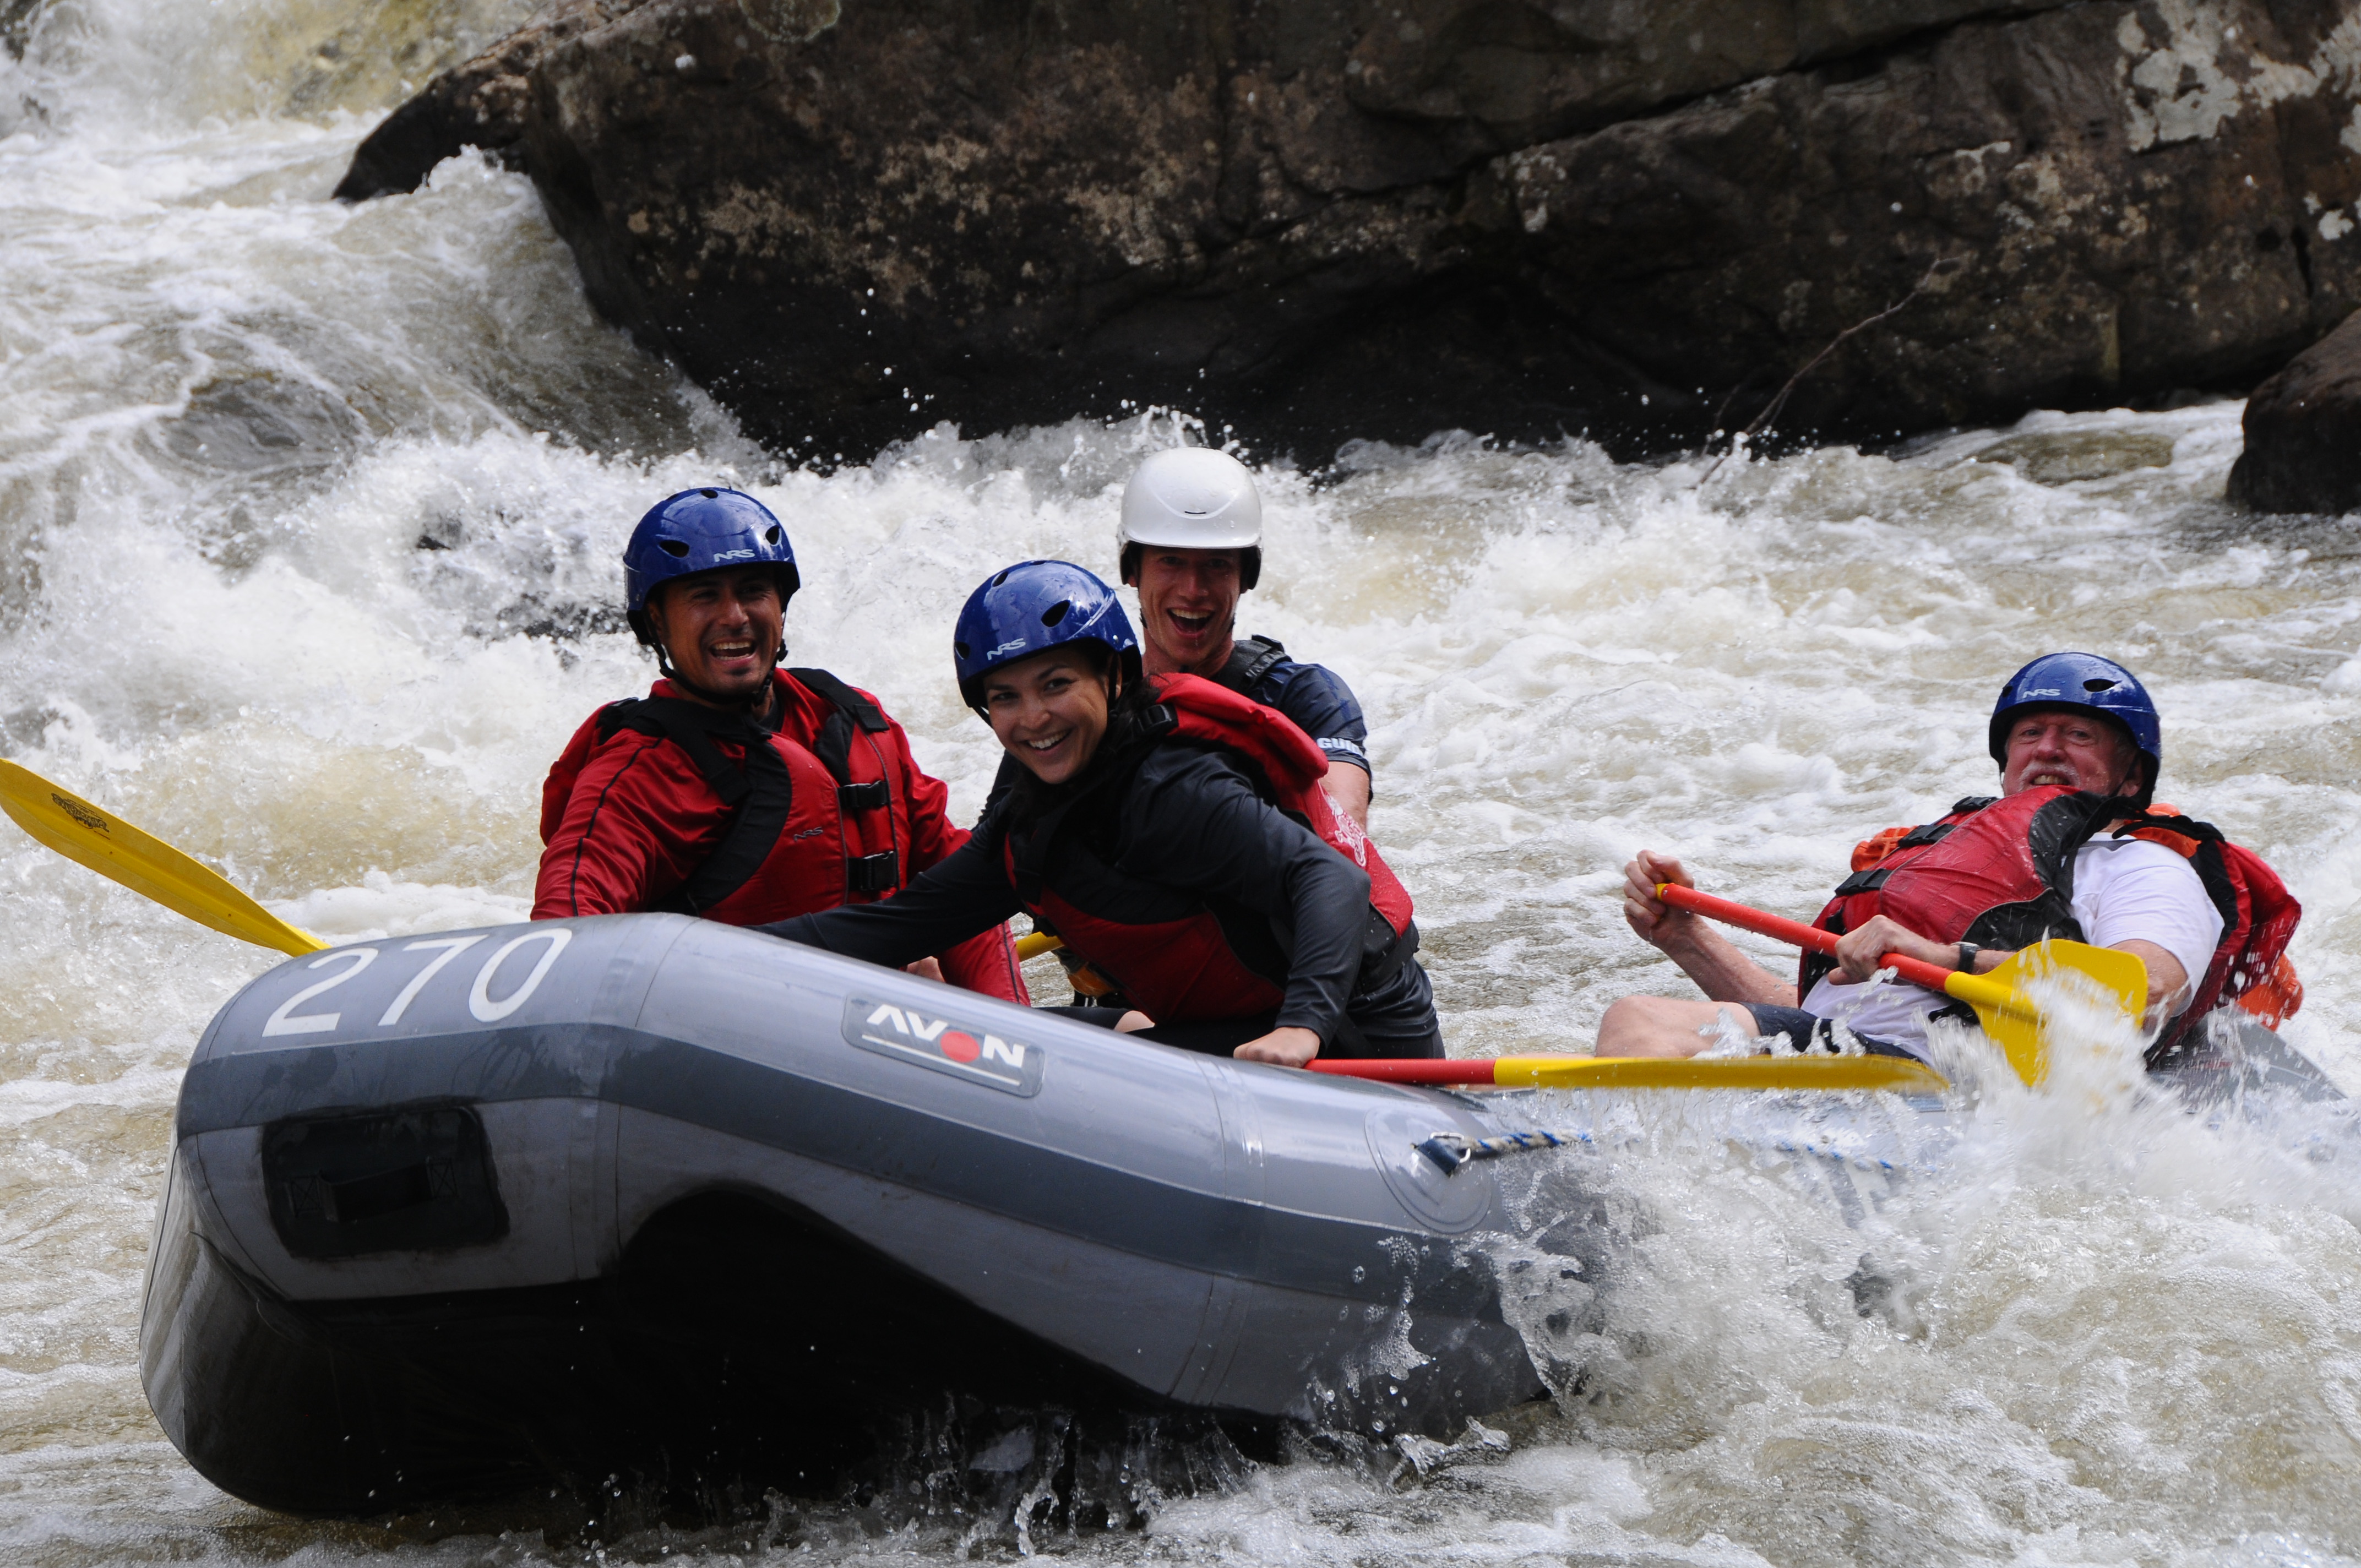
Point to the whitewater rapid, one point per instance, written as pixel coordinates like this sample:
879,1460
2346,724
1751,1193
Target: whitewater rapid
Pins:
309,519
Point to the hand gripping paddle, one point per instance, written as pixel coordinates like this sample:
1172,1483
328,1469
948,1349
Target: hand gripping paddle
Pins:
2010,1017
113,847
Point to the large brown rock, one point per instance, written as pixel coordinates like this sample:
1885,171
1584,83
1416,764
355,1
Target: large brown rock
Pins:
480,104
1383,217
2303,431
2105,204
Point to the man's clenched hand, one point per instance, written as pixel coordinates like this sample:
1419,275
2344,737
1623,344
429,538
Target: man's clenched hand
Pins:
1656,922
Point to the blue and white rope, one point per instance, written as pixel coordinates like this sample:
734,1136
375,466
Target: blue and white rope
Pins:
1449,1151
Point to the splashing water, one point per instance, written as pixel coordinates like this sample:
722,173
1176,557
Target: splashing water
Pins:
310,518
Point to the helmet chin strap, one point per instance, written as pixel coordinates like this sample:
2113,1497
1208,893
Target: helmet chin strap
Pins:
756,702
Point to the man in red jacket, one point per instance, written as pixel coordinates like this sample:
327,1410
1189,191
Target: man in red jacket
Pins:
737,790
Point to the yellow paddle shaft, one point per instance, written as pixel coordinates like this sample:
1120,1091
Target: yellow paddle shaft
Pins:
114,849
1902,1074
2011,1019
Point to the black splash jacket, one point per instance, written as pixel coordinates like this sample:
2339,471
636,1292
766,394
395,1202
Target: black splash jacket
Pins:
1169,869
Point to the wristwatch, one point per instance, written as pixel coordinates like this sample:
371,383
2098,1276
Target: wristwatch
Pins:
1968,951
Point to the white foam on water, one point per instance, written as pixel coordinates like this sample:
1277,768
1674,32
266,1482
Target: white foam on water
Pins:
311,516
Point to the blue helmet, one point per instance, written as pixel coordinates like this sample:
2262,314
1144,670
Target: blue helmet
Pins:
1032,607
702,531
2083,680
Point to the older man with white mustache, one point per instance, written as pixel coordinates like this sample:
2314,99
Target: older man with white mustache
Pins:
2078,744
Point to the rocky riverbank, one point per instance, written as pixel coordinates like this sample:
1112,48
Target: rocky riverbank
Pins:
1318,220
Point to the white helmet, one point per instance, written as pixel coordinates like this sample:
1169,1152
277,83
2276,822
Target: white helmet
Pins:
1195,499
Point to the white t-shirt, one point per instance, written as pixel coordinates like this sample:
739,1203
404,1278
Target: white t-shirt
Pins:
2124,889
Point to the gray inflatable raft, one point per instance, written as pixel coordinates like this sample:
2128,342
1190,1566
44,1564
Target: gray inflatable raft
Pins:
648,1195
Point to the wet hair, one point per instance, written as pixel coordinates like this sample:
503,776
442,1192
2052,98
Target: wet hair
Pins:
1133,700
1100,658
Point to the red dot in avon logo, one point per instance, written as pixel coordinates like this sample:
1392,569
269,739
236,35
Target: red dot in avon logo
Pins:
960,1047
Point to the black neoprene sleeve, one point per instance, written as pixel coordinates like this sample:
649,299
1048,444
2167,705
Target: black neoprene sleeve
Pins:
1190,820
1193,821
962,893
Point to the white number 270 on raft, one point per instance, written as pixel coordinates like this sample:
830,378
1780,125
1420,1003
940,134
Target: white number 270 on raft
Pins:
481,1004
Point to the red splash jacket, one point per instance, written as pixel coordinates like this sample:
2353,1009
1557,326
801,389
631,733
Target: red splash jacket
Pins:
660,802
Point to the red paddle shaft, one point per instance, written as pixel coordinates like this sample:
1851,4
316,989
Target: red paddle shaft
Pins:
1795,931
1466,1069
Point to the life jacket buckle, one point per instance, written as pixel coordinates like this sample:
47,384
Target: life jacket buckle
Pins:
880,872
1865,880
873,796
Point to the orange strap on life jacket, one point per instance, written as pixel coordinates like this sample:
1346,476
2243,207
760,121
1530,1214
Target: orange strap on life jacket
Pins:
2274,998
1870,851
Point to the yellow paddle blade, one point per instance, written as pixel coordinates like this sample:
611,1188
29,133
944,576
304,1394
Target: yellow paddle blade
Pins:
1900,1074
113,847
2010,1017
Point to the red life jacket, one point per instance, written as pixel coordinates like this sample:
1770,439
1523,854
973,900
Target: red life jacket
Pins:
2250,964
1172,956
811,826
1293,763
2000,873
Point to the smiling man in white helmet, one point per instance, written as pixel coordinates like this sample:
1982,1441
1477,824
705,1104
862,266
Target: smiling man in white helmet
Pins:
1191,539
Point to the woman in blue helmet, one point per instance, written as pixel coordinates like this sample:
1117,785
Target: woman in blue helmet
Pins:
1172,832
735,789
2072,848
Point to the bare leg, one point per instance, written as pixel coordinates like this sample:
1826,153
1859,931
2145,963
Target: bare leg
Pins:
1665,1025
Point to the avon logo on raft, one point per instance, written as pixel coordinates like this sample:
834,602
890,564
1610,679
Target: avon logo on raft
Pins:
912,1035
